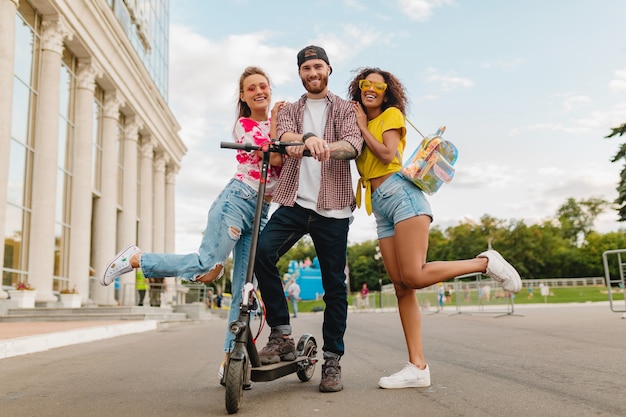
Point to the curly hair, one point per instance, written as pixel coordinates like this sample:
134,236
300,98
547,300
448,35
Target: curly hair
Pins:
395,95
242,107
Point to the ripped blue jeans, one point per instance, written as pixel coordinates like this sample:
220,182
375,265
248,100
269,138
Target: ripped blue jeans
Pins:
230,218
229,229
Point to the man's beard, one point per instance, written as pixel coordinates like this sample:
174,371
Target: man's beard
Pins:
323,83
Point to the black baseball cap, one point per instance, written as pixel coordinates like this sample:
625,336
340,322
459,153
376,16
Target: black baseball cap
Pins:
312,52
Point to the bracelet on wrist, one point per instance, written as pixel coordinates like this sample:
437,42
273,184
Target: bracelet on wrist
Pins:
306,136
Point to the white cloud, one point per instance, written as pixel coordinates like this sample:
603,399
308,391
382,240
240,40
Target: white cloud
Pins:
573,101
557,127
486,175
355,5
595,122
350,41
619,82
203,67
503,64
447,82
421,10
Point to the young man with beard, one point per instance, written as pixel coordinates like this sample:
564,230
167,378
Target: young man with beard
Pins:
316,197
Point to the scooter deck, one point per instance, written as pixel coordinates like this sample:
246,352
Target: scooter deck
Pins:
274,371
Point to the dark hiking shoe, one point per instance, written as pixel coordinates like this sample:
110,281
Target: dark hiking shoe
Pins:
331,376
278,349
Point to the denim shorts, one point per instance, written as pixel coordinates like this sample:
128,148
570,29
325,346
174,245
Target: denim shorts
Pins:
395,200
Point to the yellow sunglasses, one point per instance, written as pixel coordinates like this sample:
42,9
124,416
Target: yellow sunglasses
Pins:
365,85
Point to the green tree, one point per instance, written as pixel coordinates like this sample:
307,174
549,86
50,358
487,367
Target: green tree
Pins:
303,249
364,267
621,186
577,217
437,245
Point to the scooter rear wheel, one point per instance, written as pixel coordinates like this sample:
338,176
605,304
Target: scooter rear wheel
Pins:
310,350
235,378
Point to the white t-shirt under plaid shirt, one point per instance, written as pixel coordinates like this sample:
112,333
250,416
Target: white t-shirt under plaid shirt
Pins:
336,192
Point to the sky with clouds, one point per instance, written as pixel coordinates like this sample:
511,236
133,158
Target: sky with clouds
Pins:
526,88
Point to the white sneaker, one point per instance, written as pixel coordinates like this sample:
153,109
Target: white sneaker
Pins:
120,265
502,271
409,377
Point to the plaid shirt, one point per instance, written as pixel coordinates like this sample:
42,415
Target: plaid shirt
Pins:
336,190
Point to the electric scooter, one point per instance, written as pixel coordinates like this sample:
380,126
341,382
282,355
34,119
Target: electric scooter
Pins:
244,365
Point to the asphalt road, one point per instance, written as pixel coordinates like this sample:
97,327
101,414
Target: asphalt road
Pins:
548,361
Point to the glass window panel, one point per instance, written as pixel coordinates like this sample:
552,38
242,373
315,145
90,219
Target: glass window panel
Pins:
20,112
68,198
58,249
64,103
13,233
24,40
59,200
62,142
12,277
17,173
147,32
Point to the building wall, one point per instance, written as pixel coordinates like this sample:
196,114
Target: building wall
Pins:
87,140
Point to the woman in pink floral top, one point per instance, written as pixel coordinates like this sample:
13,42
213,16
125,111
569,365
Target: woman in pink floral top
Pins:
230,219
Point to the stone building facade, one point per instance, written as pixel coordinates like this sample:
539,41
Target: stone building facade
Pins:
89,148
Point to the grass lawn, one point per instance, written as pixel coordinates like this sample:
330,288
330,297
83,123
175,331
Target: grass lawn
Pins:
557,295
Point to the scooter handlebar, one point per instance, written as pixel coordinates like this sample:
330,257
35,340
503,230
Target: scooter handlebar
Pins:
279,147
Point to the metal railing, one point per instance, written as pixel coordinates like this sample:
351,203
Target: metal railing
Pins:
614,276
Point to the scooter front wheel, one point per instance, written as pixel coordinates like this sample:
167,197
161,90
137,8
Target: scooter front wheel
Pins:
235,379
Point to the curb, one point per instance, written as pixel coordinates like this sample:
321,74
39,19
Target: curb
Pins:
40,343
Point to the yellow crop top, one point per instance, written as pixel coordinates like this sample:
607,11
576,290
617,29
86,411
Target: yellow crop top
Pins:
368,164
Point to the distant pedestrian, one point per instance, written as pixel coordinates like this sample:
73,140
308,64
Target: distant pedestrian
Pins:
293,293
365,296
141,286
209,298
219,298
441,296
117,290
155,289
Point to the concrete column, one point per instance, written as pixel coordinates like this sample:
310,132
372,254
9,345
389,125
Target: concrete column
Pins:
127,220
81,199
42,240
8,9
158,243
105,207
170,218
170,221
146,209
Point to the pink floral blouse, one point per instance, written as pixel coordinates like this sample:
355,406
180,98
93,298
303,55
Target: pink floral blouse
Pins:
249,168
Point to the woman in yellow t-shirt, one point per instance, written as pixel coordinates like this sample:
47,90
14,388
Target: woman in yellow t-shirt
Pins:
403,215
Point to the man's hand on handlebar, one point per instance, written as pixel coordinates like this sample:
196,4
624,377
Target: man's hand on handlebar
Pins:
318,148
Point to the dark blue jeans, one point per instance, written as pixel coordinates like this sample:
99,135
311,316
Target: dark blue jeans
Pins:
330,238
